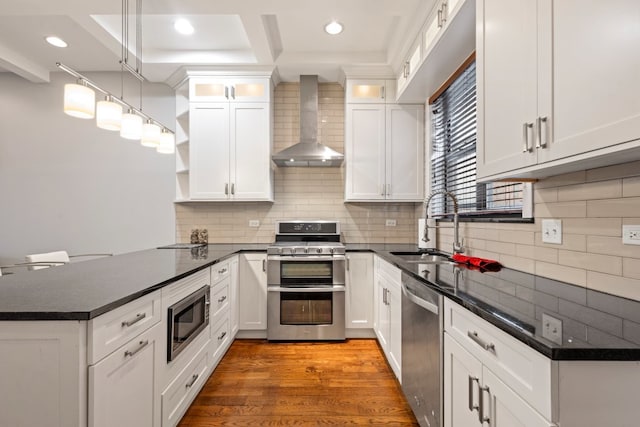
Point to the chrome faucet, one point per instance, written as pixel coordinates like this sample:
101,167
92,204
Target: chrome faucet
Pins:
457,243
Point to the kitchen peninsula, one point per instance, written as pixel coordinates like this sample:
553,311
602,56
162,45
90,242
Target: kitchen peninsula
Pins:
51,318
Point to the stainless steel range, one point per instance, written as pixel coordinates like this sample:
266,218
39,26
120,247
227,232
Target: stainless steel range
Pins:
306,282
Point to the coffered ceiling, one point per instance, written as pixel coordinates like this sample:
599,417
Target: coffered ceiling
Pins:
283,34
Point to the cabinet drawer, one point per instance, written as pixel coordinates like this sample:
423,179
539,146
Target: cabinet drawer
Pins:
219,300
180,393
219,272
520,367
113,329
391,272
122,385
184,287
220,337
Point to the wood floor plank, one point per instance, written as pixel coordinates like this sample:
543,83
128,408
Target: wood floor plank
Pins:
259,383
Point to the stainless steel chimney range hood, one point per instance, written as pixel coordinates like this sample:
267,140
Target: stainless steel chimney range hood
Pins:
308,152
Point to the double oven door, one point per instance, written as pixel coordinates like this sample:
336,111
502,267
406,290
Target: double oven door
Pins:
306,297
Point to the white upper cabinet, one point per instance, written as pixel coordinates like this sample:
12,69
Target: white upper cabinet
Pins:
230,141
557,90
384,152
211,89
445,40
370,91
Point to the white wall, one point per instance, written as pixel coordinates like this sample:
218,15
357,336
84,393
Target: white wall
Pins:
66,184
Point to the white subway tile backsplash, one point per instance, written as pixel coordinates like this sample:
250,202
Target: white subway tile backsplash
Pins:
577,276
593,262
617,285
589,191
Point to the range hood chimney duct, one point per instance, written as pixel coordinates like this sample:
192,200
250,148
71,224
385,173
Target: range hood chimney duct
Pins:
308,152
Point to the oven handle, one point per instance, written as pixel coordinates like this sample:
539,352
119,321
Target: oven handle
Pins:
334,288
305,257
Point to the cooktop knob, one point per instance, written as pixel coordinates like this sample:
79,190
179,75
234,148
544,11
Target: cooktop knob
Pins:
319,250
306,250
331,250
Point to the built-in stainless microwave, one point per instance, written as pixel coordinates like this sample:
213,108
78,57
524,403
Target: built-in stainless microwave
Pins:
187,318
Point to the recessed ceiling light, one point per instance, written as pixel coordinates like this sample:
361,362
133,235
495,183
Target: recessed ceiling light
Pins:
56,41
333,28
183,26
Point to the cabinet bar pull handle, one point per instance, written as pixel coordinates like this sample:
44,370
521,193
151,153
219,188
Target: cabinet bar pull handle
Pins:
347,263
226,92
388,189
382,191
194,378
382,92
472,407
142,344
540,143
481,416
224,334
264,265
439,18
525,137
222,271
487,346
233,189
222,299
233,92
445,6
138,318
226,189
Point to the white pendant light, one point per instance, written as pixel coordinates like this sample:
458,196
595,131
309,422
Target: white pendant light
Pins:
150,134
167,143
79,101
108,114
131,127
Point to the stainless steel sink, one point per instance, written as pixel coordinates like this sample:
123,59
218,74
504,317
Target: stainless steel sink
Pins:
423,258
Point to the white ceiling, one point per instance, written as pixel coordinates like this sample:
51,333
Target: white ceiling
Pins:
283,34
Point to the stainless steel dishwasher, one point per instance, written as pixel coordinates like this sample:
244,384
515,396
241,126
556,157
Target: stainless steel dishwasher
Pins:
422,350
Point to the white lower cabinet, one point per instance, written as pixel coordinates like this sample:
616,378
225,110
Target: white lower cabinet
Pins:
253,291
177,397
388,313
122,389
473,395
359,290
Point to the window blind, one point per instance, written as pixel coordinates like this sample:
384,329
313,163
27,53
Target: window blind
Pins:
453,156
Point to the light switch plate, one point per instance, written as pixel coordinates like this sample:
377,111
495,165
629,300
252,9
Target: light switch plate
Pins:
254,223
552,231
390,223
631,234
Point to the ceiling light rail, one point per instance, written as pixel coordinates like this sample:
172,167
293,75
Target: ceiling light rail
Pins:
167,143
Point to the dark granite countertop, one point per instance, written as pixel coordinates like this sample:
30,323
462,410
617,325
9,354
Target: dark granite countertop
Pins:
87,289
595,325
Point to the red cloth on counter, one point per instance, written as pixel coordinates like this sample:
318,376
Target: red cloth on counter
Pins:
481,264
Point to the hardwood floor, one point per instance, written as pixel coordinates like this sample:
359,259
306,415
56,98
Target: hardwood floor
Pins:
301,384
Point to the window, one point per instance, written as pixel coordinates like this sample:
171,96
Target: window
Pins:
453,156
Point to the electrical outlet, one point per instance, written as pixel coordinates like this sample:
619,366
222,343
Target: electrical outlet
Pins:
552,328
631,234
390,223
254,223
552,231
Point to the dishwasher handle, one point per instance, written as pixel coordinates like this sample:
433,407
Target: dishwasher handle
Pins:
427,305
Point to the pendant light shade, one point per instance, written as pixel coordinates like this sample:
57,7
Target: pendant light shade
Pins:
150,134
167,143
108,114
79,101
131,127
